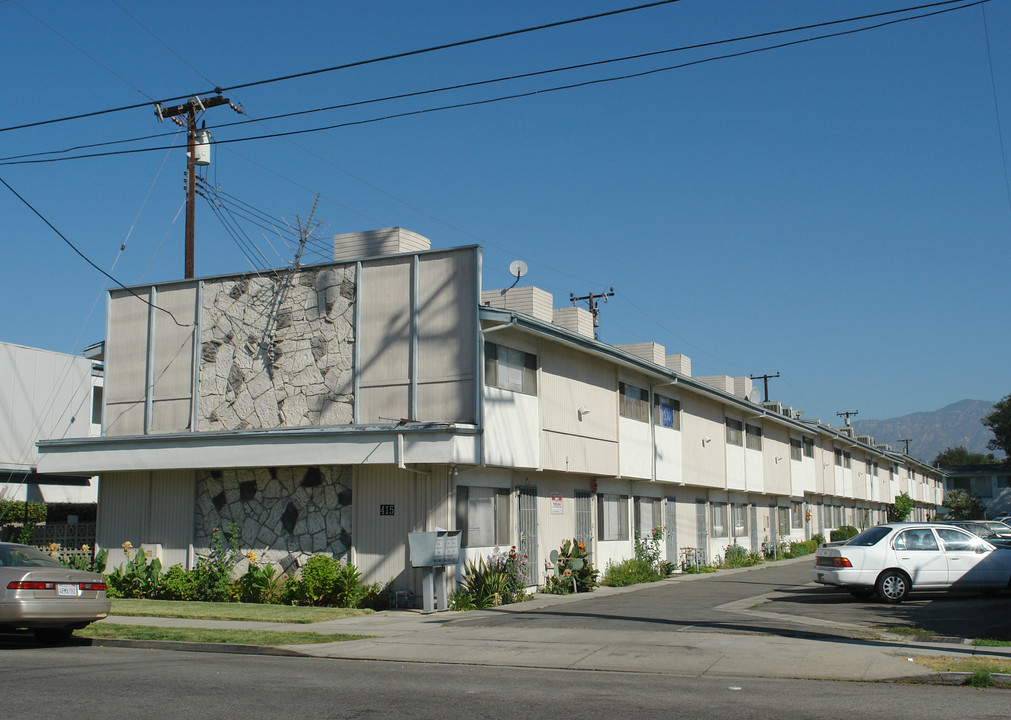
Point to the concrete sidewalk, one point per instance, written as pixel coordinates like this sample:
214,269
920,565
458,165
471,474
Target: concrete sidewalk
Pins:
412,636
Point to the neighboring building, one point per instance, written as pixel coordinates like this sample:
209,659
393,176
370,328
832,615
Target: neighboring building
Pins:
45,395
991,483
335,408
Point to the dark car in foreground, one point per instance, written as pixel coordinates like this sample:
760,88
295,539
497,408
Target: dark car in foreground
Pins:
893,559
40,594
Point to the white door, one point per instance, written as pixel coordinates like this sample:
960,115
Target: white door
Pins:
919,554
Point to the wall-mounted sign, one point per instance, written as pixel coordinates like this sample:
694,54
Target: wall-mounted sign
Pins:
556,505
386,509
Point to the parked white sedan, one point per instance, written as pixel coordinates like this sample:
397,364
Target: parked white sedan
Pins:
895,558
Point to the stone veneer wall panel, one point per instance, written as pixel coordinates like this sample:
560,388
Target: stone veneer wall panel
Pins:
301,373
284,514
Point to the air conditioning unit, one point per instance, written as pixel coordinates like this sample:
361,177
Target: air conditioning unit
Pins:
774,407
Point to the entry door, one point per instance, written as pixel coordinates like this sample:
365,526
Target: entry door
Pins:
670,519
702,528
584,520
528,531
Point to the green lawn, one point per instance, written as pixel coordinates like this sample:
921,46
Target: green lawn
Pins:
229,611
238,637
943,663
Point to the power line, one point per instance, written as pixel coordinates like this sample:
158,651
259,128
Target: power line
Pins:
358,63
520,95
87,259
522,76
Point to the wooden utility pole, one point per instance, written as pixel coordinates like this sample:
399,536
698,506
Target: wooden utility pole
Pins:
190,109
847,414
594,306
906,441
765,379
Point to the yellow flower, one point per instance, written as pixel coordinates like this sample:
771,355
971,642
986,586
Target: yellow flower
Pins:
251,556
54,549
127,545
86,548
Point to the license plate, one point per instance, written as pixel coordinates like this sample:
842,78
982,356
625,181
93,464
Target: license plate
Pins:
68,590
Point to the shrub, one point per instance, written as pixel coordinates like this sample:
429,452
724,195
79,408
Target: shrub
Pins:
137,578
818,539
482,587
514,566
573,570
348,590
630,572
177,583
692,570
738,557
260,584
375,596
843,533
317,580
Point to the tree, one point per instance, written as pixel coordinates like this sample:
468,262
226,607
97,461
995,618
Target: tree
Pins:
899,510
961,456
999,422
963,505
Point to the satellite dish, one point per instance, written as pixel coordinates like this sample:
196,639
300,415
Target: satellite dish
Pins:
517,268
755,396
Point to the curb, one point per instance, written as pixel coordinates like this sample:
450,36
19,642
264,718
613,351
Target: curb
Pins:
190,646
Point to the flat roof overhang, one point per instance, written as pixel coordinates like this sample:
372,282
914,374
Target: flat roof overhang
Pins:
400,444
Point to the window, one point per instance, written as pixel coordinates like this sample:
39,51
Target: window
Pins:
784,521
483,515
838,457
719,511
956,540
847,460
96,405
612,517
634,402
647,515
874,469
921,539
510,369
739,519
754,434
797,515
867,466
735,429
667,412
808,447
795,450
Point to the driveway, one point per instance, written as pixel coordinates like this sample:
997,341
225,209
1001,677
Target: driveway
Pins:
775,598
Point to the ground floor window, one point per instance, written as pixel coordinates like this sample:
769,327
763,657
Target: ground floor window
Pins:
797,515
739,519
612,517
719,525
647,515
483,515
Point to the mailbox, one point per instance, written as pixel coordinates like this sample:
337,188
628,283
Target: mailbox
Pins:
433,552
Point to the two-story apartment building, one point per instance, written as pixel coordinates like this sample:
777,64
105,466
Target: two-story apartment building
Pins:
336,408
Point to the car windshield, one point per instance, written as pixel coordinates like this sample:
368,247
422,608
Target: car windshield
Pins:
870,537
19,556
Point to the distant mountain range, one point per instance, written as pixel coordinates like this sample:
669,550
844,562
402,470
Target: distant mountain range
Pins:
931,432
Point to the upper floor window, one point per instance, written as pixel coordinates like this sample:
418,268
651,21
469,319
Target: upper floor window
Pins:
808,447
754,437
847,459
667,412
795,450
838,457
634,402
510,369
735,432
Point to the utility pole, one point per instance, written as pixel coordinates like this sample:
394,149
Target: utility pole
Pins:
593,305
190,109
765,379
906,441
847,415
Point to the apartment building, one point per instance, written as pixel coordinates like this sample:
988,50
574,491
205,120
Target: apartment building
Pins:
335,408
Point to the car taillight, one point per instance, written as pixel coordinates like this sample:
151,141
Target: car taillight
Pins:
841,562
46,585
30,585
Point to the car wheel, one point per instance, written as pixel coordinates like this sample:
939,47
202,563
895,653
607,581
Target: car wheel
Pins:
53,636
861,592
892,586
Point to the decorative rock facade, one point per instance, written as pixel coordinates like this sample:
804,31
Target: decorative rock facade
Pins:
286,514
278,351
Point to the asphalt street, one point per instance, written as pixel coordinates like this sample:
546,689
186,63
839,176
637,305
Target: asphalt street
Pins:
94,683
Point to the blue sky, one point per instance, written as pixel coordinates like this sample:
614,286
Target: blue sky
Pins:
836,211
